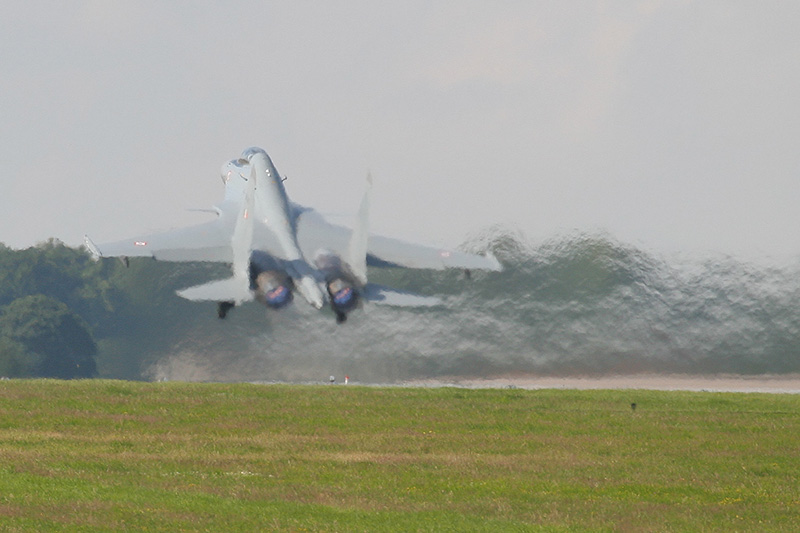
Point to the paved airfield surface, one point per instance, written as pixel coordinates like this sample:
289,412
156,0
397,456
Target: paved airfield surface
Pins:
785,384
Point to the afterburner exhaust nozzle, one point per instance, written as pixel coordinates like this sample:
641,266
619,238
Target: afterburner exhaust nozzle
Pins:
273,289
343,296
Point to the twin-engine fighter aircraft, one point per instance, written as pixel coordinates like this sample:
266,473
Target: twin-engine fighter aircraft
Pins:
269,240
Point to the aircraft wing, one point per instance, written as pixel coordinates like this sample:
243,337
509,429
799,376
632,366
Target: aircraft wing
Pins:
210,241
205,242
314,233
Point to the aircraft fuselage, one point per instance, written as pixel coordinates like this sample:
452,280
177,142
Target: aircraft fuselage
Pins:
273,210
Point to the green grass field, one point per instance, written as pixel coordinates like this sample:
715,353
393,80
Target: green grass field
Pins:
105,455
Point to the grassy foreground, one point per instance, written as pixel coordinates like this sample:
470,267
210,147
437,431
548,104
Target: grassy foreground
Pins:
104,455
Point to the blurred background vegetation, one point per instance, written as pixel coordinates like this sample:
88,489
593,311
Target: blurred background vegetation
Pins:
64,315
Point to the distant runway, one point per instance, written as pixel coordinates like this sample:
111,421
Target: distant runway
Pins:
785,384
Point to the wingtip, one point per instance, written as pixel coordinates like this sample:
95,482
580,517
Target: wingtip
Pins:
494,262
92,247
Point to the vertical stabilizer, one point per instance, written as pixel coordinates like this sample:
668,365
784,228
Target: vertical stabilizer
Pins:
359,240
242,240
235,289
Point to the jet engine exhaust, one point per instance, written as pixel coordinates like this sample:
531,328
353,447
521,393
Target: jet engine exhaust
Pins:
272,288
343,297
343,290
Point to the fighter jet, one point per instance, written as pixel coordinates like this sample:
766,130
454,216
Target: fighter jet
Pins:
267,240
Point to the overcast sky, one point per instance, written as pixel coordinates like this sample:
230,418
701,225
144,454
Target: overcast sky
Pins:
671,125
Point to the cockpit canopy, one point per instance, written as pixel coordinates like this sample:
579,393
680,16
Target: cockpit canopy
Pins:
248,154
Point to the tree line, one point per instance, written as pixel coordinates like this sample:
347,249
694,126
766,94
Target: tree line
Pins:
64,315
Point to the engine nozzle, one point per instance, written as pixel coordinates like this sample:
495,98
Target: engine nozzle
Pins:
344,297
273,290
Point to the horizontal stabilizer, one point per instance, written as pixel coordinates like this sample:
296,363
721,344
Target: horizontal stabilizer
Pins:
456,259
383,295
225,290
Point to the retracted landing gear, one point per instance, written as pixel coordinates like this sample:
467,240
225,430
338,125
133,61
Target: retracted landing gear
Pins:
223,308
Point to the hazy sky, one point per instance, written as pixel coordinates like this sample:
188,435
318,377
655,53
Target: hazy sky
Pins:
671,125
